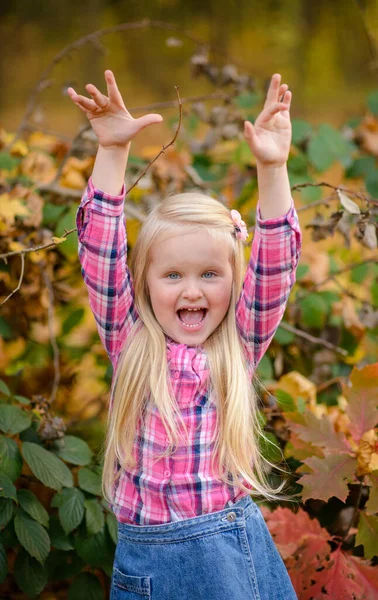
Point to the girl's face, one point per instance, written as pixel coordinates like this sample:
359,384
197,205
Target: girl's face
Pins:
189,271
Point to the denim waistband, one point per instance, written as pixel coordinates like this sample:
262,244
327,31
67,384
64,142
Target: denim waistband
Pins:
233,516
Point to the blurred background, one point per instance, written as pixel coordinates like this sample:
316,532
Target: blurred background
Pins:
321,48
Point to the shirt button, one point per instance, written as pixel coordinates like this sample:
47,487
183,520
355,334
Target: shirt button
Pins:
167,473
177,374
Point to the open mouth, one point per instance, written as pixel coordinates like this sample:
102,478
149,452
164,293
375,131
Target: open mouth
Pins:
192,318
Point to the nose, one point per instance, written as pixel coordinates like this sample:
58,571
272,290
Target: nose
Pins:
192,291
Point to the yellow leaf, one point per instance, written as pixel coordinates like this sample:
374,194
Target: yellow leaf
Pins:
73,179
16,246
296,385
10,208
19,148
58,240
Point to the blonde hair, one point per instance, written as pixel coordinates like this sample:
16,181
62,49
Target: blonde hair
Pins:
142,370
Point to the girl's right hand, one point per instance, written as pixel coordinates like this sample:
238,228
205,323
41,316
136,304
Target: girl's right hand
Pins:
108,115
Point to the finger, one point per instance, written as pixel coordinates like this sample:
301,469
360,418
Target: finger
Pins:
281,92
249,131
147,120
81,101
273,90
112,87
100,99
270,111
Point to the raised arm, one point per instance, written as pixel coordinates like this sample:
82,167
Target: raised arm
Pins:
100,216
277,240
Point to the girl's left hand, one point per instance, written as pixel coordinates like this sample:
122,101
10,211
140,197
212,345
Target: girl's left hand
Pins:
270,137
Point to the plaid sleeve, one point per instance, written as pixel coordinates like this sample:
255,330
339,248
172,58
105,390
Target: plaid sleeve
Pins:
269,279
102,250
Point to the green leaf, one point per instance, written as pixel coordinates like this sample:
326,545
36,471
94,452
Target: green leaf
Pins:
284,337
63,565
46,467
6,331
68,221
32,536
367,534
94,515
374,292
302,270
89,481
7,489
313,311
59,539
22,399
74,318
265,368
285,401
372,102
301,131
4,389
371,183
328,146
71,509
31,577
360,273
95,549
269,447
8,162
361,167
51,213
112,525
13,419
31,505
6,512
10,458
86,585
3,563
74,450
246,100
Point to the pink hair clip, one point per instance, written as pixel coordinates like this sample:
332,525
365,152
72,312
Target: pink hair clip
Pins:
240,226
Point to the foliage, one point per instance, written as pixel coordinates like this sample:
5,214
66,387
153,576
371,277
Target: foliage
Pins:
320,374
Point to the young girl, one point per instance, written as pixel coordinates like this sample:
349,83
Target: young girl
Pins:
185,328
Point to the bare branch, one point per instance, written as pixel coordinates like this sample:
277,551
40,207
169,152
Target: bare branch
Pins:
21,277
313,339
50,315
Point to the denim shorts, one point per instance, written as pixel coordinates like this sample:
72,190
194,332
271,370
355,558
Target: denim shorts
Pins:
224,555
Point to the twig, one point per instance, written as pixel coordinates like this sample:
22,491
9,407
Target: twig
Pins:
312,338
315,286
21,277
171,143
326,384
50,315
359,195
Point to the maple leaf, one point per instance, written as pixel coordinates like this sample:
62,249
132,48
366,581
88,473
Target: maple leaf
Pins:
371,506
328,478
320,432
362,400
368,534
346,578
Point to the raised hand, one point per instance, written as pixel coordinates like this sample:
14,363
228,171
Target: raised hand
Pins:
270,137
108,115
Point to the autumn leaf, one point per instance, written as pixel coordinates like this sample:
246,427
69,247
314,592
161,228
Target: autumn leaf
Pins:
329,477
10,208
346,578
362,400
320,432
371,506
368,534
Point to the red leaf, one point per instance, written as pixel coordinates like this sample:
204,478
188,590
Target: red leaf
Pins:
320,432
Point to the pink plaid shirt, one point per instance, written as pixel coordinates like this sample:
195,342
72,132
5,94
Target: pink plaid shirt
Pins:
181,485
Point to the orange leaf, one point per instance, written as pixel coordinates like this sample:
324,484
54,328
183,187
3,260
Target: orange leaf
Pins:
362,400
328,478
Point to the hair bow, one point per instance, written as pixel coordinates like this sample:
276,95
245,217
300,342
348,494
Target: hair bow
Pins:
240,226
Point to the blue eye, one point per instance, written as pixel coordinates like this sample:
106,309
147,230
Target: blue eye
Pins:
169,276
209,273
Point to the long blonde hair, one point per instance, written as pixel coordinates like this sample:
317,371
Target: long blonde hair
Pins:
142,370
